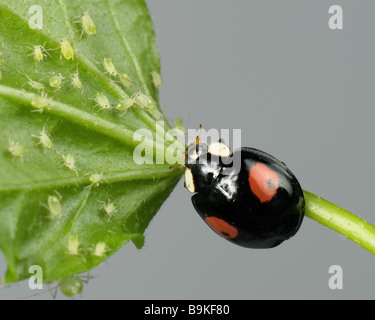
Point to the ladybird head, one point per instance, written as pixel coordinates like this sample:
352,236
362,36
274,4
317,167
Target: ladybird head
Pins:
203,164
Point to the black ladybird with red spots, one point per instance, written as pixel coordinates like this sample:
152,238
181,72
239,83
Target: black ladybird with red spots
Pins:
248,197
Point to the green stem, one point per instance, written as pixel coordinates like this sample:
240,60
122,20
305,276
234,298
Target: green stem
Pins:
340,220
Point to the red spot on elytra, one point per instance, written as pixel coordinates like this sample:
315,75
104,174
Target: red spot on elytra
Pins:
263,182
222,228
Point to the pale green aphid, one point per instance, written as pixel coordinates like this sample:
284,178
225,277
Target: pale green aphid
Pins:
96,178
143,101
73,245
56,80
39,52
34,84
125,104
70,286
70,162
126,80
66,49
40,103
109,208
102,101
44,139
88,24
54,206
100,249
110,67
16,149
156,79
76,82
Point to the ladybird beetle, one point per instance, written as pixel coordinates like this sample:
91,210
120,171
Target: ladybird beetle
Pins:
255,202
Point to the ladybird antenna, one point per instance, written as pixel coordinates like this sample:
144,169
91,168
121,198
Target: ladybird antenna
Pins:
198,139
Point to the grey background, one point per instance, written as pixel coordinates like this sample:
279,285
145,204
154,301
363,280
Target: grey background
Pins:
299,91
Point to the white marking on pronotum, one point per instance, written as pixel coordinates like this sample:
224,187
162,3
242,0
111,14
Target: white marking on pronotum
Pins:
219,149
189,180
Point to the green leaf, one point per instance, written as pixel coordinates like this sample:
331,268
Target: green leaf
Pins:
71,193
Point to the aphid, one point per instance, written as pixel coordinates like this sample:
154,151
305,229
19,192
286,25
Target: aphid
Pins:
88,24
73,245
70,286
126,80
143,101
100,249
76,82
66,49
34,84
40,103
44,139
96,178
102,101
109,208
54,205
56,81
125,104
70,162
16,149
110,67
39,52
156,79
